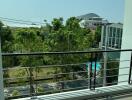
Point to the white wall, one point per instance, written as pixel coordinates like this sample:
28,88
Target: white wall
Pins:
126,42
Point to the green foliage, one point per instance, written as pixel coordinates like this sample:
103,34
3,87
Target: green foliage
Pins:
97,36
15,93
56,36
20,72
1,25
6,39
72,24
40,89
57,24
113,70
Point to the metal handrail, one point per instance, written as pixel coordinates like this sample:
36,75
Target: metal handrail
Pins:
68,52
91,81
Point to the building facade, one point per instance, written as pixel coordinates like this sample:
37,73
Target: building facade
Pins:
91,21
111,37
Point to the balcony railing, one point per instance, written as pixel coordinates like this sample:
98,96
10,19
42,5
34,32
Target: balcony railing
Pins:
33,74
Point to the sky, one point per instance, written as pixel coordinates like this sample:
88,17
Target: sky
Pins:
39,10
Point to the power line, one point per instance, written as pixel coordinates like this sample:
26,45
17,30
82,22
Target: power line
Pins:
21,21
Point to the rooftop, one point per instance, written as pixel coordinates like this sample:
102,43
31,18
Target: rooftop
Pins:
89,15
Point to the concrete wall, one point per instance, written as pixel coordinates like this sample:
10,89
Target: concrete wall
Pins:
126,42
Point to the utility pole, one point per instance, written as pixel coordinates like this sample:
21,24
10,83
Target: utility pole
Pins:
1,75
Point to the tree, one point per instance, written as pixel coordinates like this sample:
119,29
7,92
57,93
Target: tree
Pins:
57,24
29,42
6,46
6,39
15,93
97,36
72,24
56,36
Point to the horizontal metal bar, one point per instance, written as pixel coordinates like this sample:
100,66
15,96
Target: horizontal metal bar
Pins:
117,75
117,82
51,82
16,78
69,89
114,69
75,80
110,61
87,94
47,66
44,78
66,73
101,85
65,81
113,83
117,68
68,52
52,75
16,97
58,65
47,92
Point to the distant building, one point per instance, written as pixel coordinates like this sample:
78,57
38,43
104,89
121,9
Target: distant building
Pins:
111,38
91,21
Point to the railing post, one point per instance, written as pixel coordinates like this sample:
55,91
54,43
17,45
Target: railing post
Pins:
90,72
95,61
130,71
105,67
105,56
32,91
1,75
31,81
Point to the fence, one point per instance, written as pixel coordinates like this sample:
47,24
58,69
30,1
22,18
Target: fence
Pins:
31,74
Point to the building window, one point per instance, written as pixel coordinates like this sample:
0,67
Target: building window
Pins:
104,41
121,33
113,42
109,42
118,32
104,31
110,32
117,43
114,32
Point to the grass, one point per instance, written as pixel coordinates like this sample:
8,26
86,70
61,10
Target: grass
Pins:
22,72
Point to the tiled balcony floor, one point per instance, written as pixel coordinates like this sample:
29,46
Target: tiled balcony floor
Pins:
88,94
